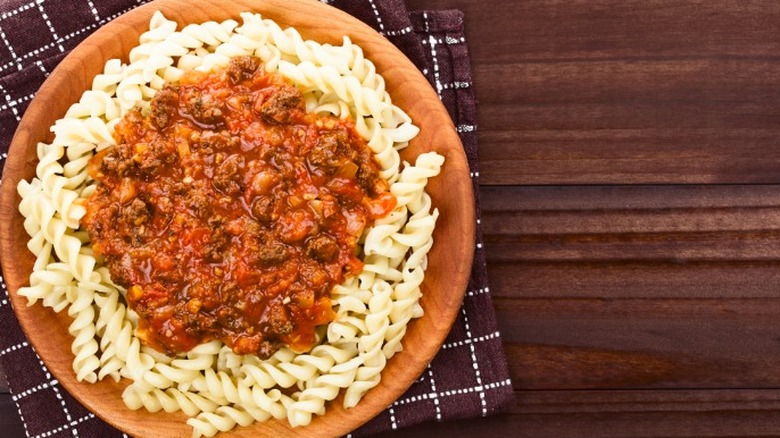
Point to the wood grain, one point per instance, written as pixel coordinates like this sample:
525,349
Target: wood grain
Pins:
625,92
647,413
675,343
449,260
636,286
633,241
623,224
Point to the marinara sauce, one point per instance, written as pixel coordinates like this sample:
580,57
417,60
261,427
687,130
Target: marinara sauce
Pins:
229,212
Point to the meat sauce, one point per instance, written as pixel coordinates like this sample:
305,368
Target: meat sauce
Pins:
229,212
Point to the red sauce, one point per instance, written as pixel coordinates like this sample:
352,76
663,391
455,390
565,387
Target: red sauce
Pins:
230,213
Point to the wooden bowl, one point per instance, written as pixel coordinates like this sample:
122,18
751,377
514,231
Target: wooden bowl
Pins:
451,191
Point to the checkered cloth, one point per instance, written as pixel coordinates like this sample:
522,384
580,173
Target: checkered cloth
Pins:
469,375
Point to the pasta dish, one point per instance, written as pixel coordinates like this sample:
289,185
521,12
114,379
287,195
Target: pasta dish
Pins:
227,220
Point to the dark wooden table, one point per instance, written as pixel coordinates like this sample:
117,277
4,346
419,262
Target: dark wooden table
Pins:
630,161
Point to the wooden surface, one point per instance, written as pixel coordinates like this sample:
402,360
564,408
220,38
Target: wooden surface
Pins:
630,155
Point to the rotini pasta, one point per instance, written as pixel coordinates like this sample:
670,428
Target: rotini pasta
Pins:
215,387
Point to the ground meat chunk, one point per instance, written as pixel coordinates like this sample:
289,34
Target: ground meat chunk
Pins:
121,268
135,213
277,107
267,349
194,324
331,151
253,229
262,209
367,175
164,206
153,157
323,248
199,203
316,279
271,253
97,227
214,250
211,142
366,178
118,161
278,319
242,68
163,105
227,318
227,178
203,107
215,221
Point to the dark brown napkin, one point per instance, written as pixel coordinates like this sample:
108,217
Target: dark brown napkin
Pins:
467,378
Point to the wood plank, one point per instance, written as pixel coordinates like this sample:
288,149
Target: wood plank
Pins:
648,413
722,247
632,242
636,286
588,29
599,343
632,224
615,92
619,155
595,198
646,279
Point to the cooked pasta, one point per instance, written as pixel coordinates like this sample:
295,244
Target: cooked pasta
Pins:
215,387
